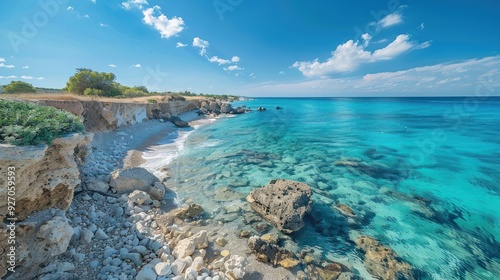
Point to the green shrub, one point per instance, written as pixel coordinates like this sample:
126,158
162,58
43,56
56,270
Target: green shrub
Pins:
29,124
94,92
152,101
19,87
133,92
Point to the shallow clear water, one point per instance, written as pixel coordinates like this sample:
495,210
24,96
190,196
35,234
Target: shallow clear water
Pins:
426,184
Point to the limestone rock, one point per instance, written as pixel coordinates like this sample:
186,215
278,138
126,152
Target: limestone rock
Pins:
138,197
178,121
38,238
186,247
178,266
130,179
94,184
282,202
270,253
191,211
163,269
146,273
157,191
382,261
46,176
236,267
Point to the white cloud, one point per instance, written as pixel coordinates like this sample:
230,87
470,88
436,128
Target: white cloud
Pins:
166,27
2,59
7,65
26,77
180,45
70,8
235,59
232,68
198,42
136,65
350,55
282,72
103,25
93,1
112,65
134,4
40,78
8,77
366,38
221,61
390,20
462,78
25,67
421,26
400,45
86,16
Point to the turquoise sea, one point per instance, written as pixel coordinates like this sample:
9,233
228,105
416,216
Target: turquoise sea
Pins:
426,180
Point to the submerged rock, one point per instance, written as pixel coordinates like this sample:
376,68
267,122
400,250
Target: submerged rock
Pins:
271,253
382,261
236,267
283,202
191,211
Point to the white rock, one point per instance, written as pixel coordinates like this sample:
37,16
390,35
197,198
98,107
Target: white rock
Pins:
157,191
190,274
94,184
163,269
198,263
187,246
138,197
236,267
178,266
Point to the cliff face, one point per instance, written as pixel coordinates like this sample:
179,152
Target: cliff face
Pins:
102,116
45,177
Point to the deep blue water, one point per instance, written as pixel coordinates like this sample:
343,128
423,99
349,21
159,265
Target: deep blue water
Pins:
426,184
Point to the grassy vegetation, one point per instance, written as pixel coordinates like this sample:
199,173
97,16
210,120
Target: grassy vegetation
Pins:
29,124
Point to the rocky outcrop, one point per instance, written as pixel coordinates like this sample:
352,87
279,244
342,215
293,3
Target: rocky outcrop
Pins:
382,261
130,179
45,175
178,122
282,202
45,178
271,253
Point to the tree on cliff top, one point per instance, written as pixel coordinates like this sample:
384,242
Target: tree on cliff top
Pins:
19,87
99,81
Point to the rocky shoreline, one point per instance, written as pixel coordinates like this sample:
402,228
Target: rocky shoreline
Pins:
125,223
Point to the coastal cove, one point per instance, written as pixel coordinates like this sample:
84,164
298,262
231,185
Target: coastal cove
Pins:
432,200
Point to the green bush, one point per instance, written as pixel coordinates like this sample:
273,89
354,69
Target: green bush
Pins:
19,87
152,101
94,92
29,124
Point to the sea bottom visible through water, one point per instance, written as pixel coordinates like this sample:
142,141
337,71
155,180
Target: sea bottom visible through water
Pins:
422,180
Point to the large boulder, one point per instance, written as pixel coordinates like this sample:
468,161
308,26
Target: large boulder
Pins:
382,261
282,202
178,121
226,108
130,179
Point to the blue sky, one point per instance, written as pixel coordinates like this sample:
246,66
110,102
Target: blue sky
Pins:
258,48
